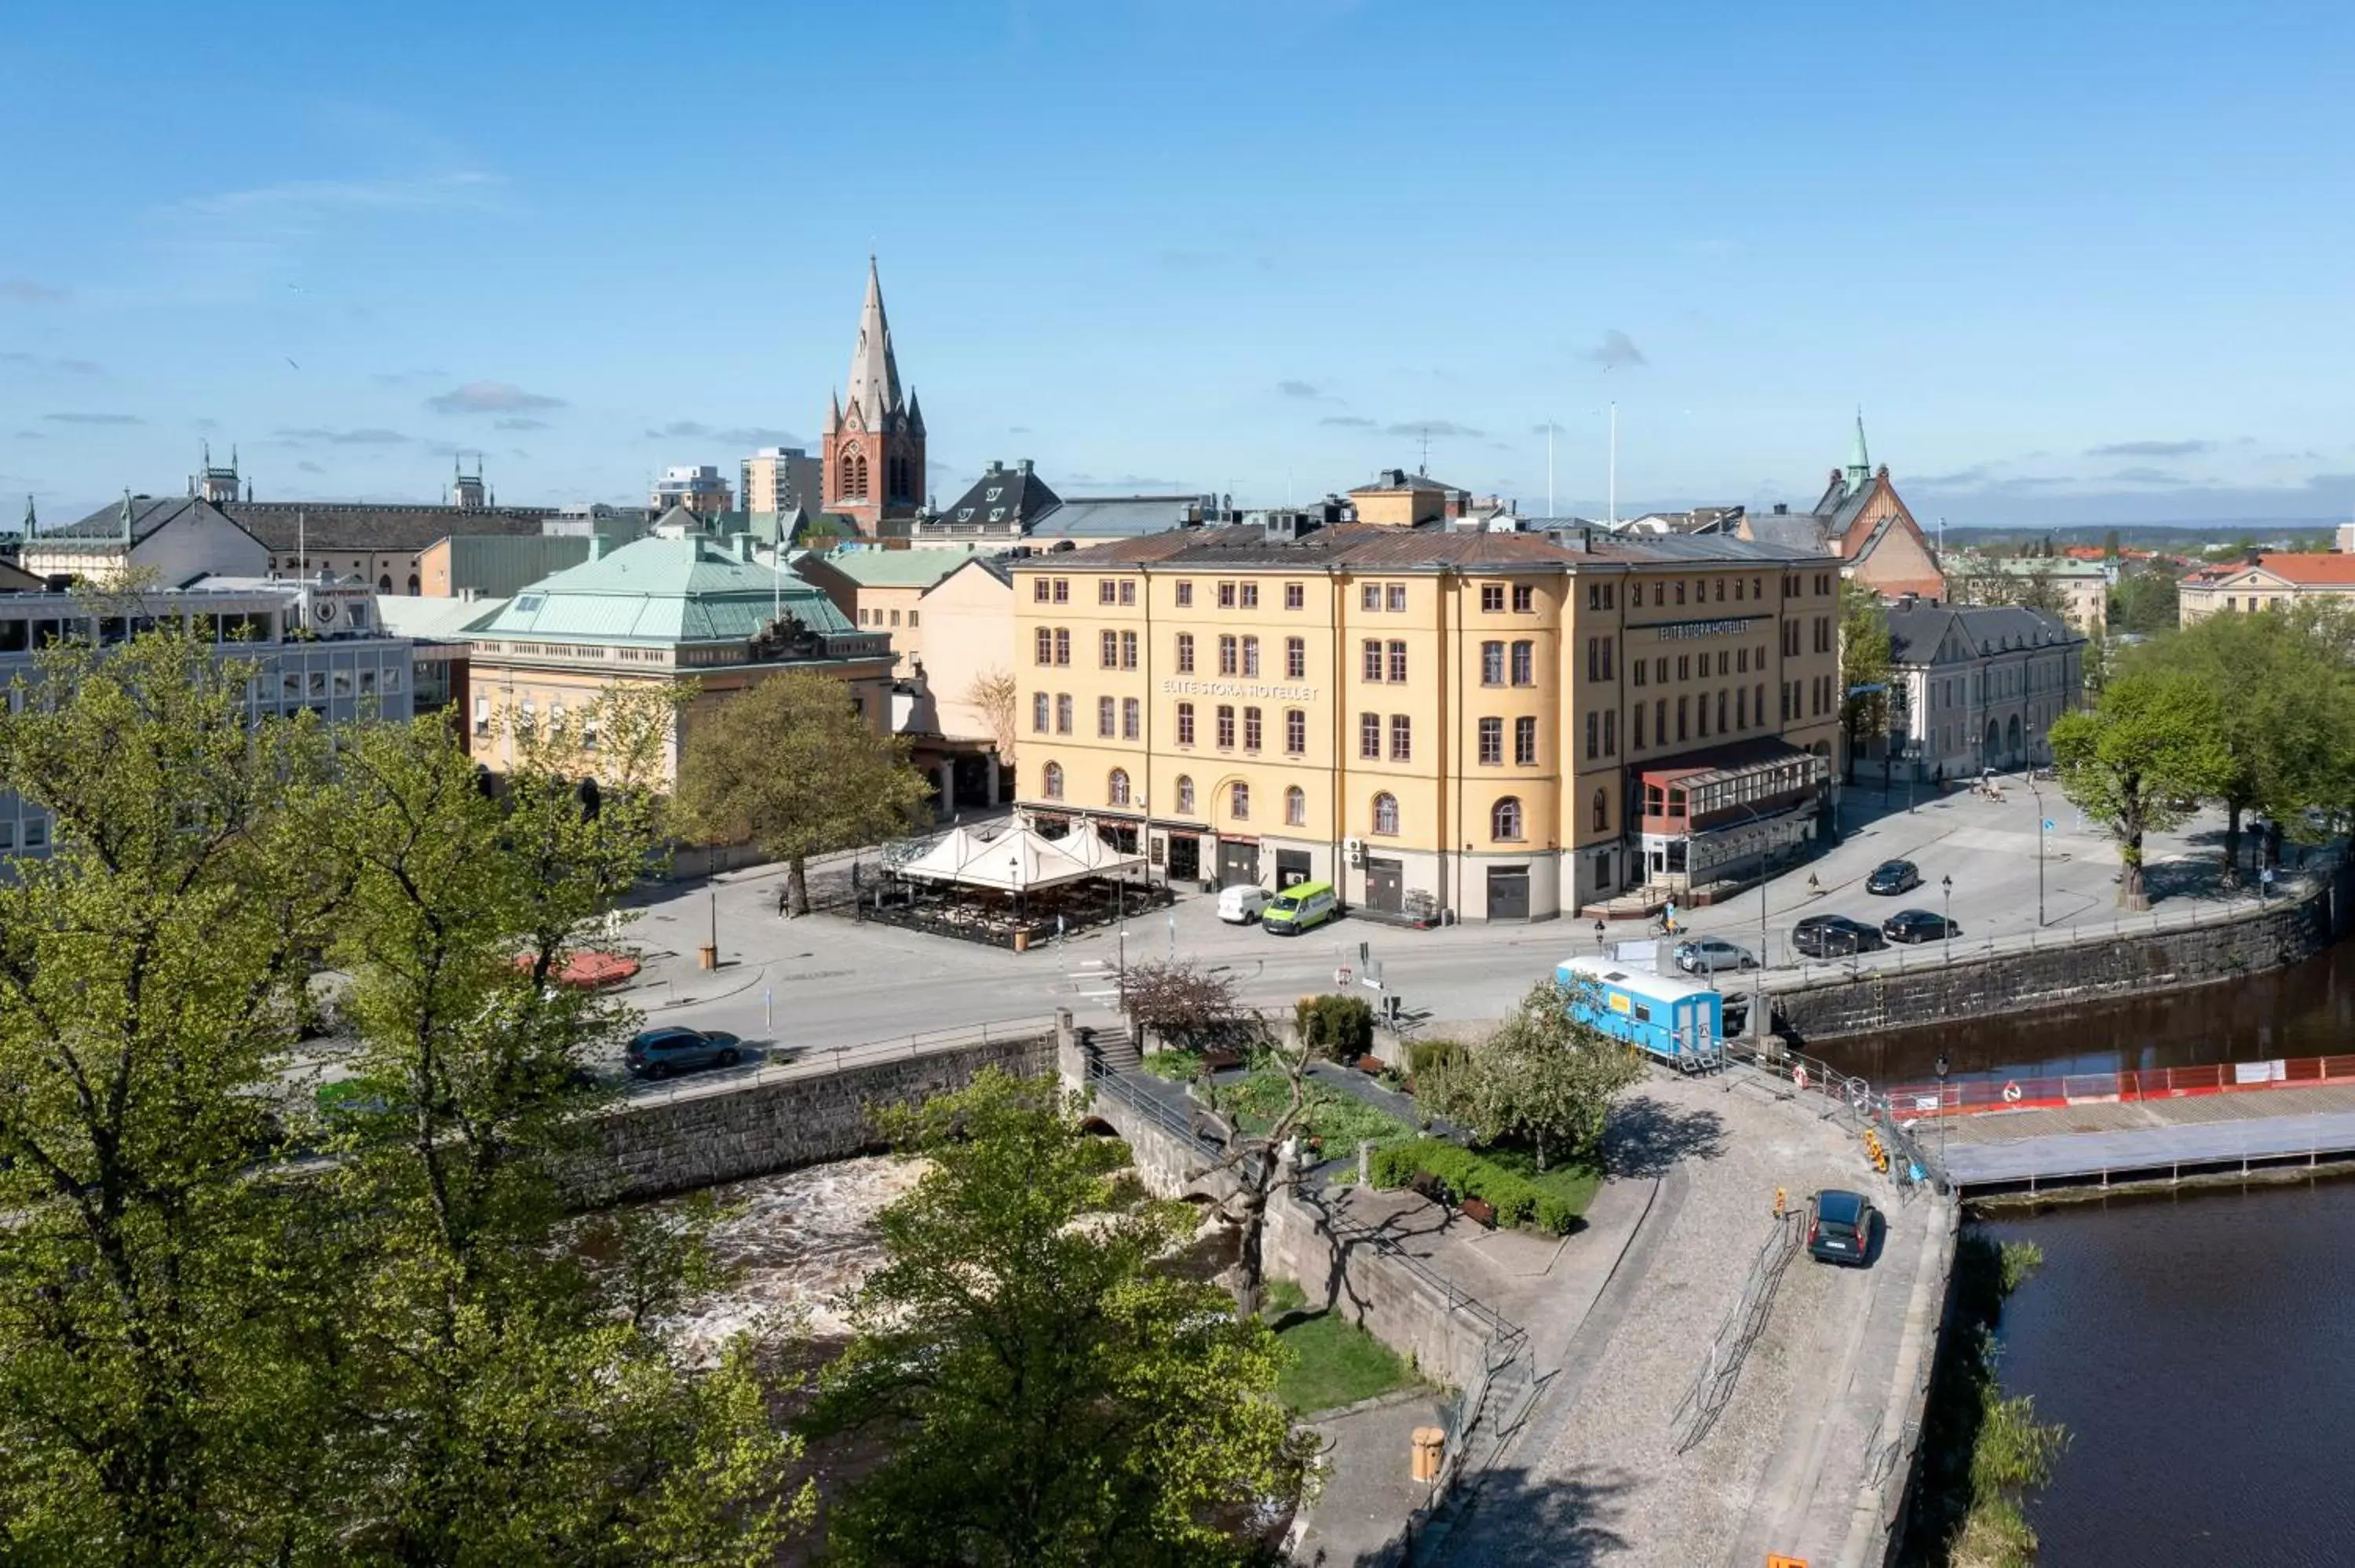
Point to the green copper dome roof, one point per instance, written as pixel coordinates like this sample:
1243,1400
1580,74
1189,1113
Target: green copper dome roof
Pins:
664,591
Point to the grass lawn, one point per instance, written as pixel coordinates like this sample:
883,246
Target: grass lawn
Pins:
1573,1180
1338,1116
1333,1362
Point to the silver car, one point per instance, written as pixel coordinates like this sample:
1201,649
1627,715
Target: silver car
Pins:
1712,955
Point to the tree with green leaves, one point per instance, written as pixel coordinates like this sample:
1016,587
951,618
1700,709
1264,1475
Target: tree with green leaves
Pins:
1864,662
2140,761
414,1351
1054,1391
524,1406
154,1303
791,765
2145,602
1544,1078
2282,707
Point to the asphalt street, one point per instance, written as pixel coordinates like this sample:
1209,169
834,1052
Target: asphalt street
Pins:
826,980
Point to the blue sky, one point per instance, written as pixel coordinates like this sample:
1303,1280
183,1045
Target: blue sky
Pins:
2077,263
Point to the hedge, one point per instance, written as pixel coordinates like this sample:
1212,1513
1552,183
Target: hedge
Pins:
1424,1054
1341,1027
1517,1200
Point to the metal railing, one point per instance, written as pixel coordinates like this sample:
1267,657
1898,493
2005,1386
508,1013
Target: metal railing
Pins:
1712,1385
824,1061
1964,1096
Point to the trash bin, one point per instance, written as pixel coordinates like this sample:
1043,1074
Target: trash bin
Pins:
1428,1442
1021,941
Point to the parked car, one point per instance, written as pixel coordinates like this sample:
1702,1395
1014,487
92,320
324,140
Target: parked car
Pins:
1244,903
1301,907
1835,937
1711,955
659,1053
1840,1229
1894,877
1918,926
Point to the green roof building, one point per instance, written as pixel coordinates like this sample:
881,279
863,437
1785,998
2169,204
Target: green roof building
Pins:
661,611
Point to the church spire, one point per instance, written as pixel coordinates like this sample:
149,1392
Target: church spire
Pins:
874,372
32,523
1860,466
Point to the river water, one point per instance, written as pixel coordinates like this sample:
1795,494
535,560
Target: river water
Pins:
2199,1346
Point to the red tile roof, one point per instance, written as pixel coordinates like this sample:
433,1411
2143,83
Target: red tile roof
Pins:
2300,568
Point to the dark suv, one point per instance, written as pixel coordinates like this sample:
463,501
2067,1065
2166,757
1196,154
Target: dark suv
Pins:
1893,876
659,1053
1841,1231
1835,937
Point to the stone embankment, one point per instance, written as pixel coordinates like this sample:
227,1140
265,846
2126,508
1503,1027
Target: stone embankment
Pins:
2070,969
706,1130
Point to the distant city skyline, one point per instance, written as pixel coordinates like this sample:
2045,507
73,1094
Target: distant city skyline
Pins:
2074,271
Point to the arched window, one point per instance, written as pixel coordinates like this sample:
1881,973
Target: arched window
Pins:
1386,815
1118,793
384,584
854,474
1296,807
1505,820
412,582
1051,781
1185,794
1602,811
1238,802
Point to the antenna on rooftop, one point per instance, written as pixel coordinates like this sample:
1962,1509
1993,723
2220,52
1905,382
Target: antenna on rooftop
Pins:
1611,514
1425,472
1549,465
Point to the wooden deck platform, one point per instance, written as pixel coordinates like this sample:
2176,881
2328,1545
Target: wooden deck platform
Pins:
2146,1140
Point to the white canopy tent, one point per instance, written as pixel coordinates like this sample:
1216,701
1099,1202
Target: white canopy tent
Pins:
1016,861
1098,856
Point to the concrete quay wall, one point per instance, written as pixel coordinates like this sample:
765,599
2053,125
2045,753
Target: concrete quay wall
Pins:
2069,971
706,1132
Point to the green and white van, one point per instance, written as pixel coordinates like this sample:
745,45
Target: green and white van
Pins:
1302,906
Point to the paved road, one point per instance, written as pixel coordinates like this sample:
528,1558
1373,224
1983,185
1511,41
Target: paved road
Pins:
1786,1467
825,980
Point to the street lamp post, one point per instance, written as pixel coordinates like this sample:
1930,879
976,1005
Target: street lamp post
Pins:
1942,1113
2041,825
1947,933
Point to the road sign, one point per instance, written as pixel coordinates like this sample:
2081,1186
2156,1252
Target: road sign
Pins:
1341,975
2048,824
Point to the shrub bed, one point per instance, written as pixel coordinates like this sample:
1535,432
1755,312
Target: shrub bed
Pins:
1517,1200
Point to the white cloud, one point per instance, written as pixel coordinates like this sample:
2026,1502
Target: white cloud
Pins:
491,397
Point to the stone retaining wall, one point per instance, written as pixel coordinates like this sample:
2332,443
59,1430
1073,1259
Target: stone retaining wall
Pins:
707,1134
1347,1272
2068,972
1340,1266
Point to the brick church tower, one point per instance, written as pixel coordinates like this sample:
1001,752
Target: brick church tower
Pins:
874,441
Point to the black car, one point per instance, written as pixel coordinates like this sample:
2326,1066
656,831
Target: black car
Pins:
1840,1229
659,1053
1894,877
1834,936
1918,926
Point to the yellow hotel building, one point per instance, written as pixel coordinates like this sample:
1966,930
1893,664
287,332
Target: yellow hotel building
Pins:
1447,724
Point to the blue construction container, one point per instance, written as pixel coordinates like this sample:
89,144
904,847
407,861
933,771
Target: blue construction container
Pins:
1681,1022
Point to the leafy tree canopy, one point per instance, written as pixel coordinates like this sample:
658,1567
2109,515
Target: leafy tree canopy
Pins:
1054,1389
789,764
